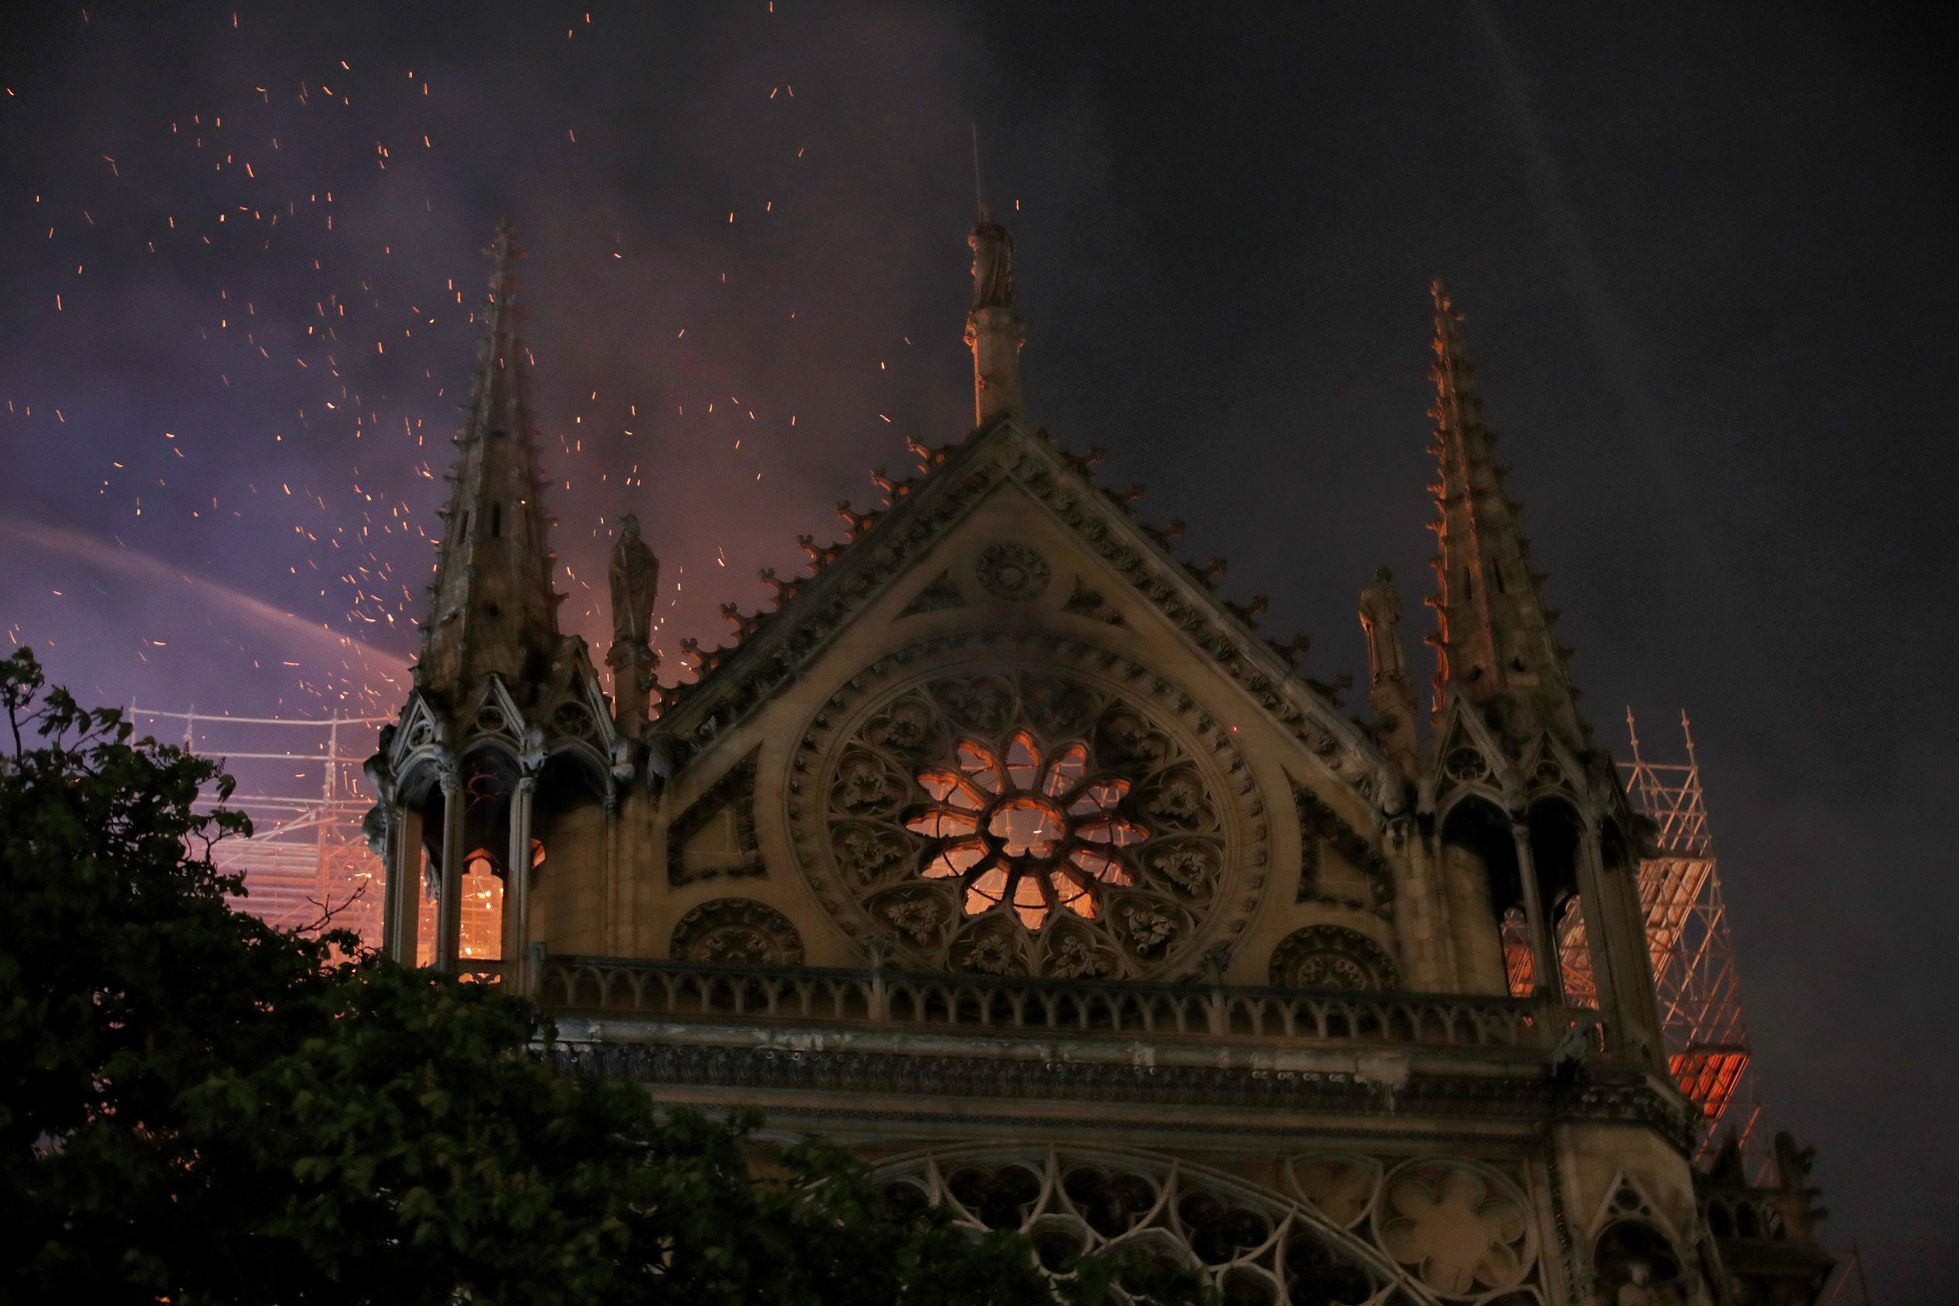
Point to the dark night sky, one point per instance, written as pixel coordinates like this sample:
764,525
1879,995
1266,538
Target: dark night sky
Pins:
1705,258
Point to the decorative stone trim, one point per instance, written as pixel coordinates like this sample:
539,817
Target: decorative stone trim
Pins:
1247,1243
736,682
940,593
738,931
1044,1009
1012,572
736,788
1319,822
1192,887
1512,1100
1332,957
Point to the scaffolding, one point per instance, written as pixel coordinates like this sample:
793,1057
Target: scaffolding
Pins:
1694,974
300,782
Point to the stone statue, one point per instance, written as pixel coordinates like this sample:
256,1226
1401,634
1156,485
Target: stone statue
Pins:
993,263
635,584
1380,618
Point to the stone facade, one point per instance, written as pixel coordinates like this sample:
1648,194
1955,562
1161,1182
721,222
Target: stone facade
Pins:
1005,850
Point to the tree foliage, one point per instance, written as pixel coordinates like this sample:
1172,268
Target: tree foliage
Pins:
196,1107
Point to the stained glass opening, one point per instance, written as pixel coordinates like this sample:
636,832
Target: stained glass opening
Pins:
1028,827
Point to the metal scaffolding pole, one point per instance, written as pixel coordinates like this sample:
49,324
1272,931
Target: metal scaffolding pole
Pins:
1694,972
306,856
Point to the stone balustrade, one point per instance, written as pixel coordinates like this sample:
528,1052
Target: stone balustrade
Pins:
685,991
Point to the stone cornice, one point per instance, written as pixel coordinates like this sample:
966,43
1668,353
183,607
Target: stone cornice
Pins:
1507,1099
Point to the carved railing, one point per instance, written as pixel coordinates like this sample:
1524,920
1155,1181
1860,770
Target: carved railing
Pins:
690,991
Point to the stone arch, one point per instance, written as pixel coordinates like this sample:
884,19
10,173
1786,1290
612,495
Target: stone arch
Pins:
1482,881
572,775
1633,1252
1556,831
1249,1242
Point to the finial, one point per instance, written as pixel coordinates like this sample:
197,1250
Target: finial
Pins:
493,609
1495,631
979,189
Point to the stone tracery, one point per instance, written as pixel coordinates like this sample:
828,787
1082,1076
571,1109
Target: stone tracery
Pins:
1458,1228
1332,957
737,931
1035,832
1252,1244
1016,820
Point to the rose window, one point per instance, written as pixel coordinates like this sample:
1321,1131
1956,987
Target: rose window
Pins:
1023,822
1030,829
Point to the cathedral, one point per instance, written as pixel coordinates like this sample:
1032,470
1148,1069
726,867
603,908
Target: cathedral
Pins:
1006,851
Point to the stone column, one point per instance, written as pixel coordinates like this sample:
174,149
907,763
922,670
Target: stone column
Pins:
449,899
633,664
1601,932
517,890
611,914
1621,949
400,914
995,337
1543,938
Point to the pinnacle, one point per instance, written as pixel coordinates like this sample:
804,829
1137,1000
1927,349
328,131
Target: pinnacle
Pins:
499,401
1493,639
495,559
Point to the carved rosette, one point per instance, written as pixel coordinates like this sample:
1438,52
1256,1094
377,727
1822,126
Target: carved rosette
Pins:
1013,572
1022,816
739,932
1332,957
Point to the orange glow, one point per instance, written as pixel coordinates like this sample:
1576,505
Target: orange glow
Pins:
1519,965
482,935
482,911
1026,829
1708,1073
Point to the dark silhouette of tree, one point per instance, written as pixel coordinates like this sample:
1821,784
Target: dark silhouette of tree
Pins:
201,1108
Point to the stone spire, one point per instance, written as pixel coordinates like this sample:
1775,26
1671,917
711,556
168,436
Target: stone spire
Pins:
993,329
1494,643
494,609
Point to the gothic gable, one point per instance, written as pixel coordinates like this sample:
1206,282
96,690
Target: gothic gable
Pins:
1113,567
1003,730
